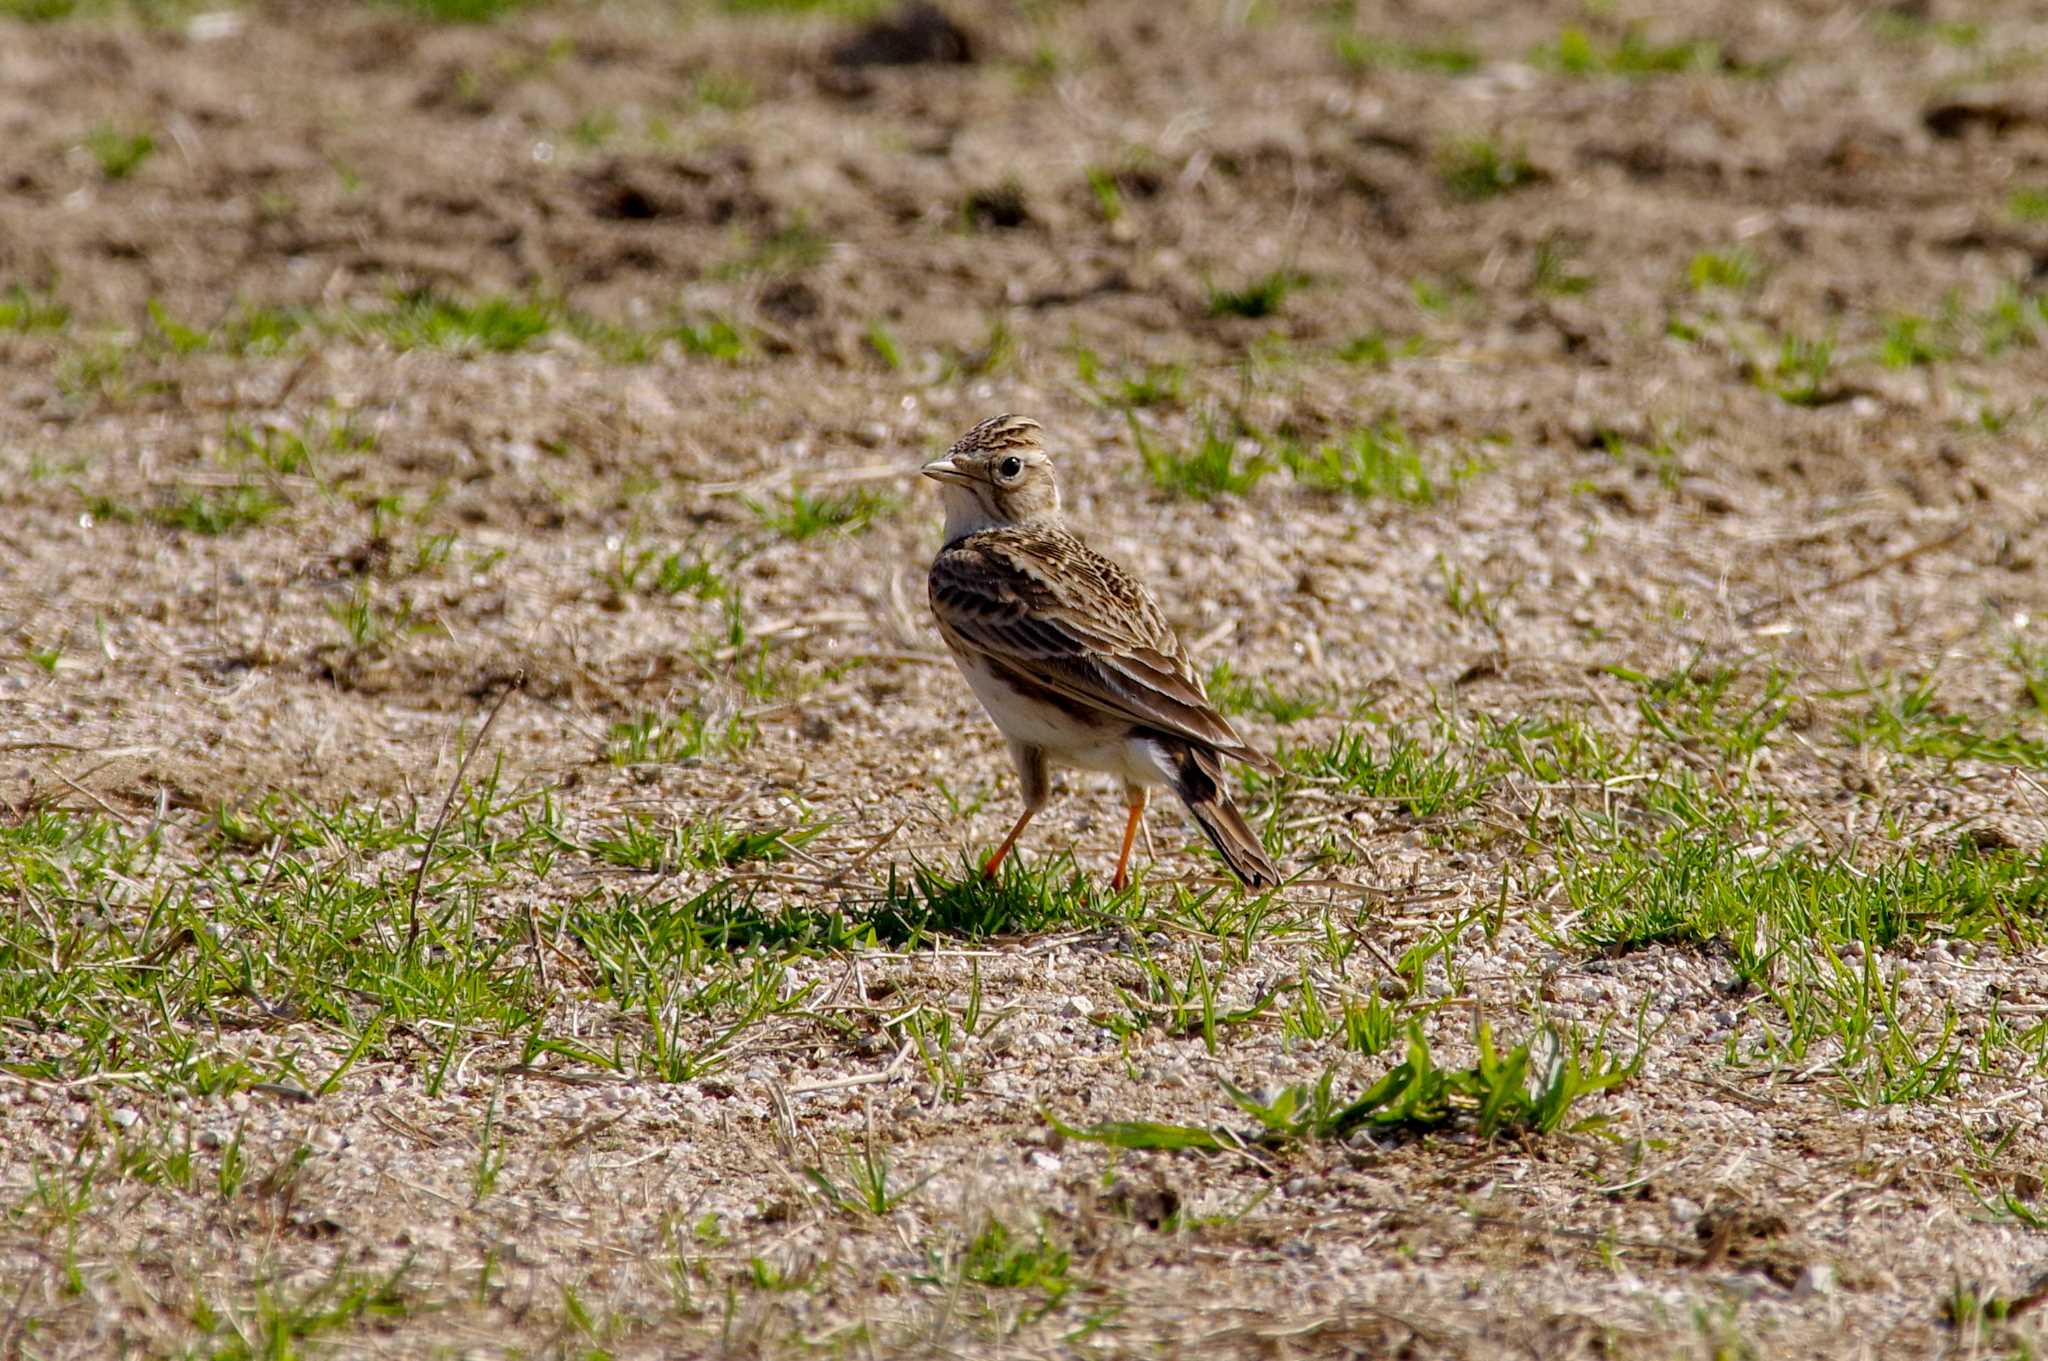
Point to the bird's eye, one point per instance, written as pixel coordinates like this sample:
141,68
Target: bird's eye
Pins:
1010,467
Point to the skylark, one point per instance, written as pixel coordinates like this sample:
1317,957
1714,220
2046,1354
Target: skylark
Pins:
1070,654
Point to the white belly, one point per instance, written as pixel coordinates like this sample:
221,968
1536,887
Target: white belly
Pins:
1065,740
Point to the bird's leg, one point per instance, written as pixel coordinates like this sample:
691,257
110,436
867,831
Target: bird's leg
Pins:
1036,781
995,861
1135,795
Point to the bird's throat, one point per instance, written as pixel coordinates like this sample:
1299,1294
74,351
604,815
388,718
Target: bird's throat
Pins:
968,512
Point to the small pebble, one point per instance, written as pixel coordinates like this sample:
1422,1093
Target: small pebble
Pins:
1817,1279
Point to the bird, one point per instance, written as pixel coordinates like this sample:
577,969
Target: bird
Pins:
1070,654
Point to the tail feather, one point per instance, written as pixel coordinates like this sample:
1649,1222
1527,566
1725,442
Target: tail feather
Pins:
1200,786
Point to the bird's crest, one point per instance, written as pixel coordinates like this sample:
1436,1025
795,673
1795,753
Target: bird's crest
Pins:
1007,431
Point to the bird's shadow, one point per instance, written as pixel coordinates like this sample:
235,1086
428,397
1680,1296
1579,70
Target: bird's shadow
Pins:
920,902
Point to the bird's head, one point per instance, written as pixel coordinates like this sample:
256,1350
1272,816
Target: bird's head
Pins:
996,474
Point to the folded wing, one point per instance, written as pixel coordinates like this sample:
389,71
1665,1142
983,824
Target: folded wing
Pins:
1079,625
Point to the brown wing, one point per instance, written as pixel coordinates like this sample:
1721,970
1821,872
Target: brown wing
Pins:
1041,602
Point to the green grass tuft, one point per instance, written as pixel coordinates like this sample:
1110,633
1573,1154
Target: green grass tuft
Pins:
180,338
1910,342
1716,708
426,321
1001,1260
789,249
263,330
421,320
1362,53
224,511
158,13
2029,204
802,515
1577,52
367,626
712,338
696,975
1911,720
1801,373
721,90
862,1186
1631,894
1807,935
1418,781
882,341
1904,24
291,452
1558,748
120,154
648,571
1234,694
2030,664
459,11
1734,270
285,1323
1262,297
1480,168
1376,462
23,310
631,937
1553,271
1214,467
210,511
844,9
1158,385
2013,321
921,905
1107,193
1530,1087
686,737
707,843
308,926
1361,1026
1377,349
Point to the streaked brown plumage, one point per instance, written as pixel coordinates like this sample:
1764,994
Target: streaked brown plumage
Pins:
1070,654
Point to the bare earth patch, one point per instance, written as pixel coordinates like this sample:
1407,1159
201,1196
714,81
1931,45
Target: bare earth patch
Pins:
1608,455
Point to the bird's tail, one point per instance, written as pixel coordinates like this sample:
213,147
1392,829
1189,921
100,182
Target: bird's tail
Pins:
1199,782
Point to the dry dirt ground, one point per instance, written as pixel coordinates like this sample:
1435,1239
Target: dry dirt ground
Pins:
1644,581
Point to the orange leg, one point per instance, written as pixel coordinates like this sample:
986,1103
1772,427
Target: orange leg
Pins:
995,861
1123,861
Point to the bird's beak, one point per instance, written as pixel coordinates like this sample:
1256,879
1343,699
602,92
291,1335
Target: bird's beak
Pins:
942,470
